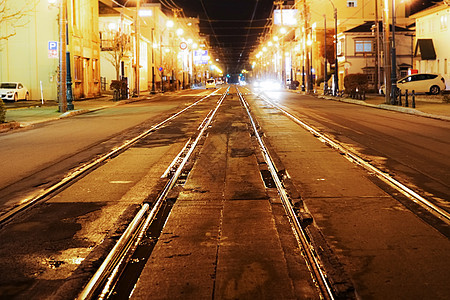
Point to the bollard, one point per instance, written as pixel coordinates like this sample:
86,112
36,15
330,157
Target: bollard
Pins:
400,98
364,95
413,105
406,98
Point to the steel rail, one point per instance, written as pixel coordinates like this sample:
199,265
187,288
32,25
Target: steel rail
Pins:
113,264
312,260
25,203
397,185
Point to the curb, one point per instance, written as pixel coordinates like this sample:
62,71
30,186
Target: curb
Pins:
5,127
407,110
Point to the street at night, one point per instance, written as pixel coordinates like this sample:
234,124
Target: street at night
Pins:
211,149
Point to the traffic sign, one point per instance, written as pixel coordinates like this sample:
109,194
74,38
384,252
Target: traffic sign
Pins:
183,46
52,49
160,69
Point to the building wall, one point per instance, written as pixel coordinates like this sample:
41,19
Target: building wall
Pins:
84,45
107,25
351,62
25,56
436,26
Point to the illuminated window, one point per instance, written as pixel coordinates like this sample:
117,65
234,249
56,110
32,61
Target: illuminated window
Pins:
351,3
444,22
77,68
95,69
363,47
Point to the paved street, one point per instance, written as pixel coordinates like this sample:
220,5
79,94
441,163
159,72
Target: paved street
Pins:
370,237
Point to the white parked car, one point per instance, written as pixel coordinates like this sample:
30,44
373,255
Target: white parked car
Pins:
421,83
13,91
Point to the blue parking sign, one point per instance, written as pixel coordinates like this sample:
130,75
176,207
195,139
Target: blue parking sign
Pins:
52,45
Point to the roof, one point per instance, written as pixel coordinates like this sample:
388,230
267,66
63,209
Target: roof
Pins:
430,10
367,27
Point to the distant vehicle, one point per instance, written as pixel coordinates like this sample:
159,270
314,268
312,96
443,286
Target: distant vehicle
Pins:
420,83
13,91
219,81
210,84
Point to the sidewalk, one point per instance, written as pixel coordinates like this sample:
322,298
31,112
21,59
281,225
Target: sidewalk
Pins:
423,108
36,112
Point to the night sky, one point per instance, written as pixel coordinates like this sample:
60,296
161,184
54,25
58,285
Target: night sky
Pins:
233,26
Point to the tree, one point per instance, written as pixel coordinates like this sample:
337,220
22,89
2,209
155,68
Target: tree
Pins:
119,46
13,16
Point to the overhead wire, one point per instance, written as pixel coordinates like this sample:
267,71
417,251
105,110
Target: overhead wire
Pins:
248,32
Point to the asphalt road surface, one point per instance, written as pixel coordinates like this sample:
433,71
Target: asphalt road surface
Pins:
384,245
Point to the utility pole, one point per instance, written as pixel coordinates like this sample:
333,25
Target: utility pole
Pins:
62,57
394,60
136,32
153,60
387,59
308,62
325,64
377,45
283,56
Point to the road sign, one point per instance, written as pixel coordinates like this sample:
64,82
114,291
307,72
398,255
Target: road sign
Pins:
183,46
201,57
52,49
160,69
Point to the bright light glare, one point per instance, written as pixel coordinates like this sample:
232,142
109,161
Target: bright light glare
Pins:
283,30
180,31
145,12
169,23
112,26
267,85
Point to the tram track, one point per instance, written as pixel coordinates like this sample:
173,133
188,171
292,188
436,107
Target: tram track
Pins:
313,261
107,277
82,170
397,185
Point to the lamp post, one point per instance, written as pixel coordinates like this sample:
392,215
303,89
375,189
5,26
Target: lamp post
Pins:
394,60
336,80
153,62
387,53
136,32
325,64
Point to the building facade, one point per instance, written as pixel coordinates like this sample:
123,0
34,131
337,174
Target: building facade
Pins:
432,47
31,55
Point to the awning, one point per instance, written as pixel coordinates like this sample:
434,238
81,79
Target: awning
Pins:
425,49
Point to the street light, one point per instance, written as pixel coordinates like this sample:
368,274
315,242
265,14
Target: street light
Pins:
394,60
336,82
136,31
